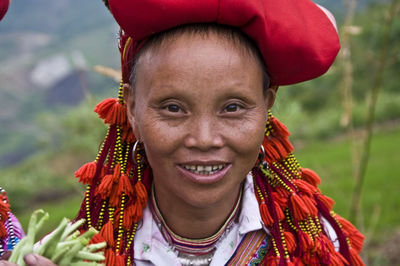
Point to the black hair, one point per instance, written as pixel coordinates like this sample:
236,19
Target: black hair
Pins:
232,34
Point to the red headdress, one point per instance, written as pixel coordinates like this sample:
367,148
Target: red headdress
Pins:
3,7
298,42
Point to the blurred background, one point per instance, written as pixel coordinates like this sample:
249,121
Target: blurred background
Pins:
345,125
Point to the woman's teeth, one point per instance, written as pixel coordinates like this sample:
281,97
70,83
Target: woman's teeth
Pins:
204,169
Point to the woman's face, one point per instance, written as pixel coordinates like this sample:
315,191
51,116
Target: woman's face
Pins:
199,108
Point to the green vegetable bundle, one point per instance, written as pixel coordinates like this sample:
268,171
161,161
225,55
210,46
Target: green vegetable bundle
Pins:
64,246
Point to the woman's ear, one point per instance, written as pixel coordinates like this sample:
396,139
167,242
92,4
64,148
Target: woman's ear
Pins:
130,107
270,95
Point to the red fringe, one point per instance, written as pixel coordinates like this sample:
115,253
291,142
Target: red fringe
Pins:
105,187
119,260
327,201
290,241
107,233
305,187
310,176
305,241
355,237
137,212
97,238
125,186
272,261
128,217
86,173
311,205
141,193
279,211
3,231
112,111
299,207
355,258
282,202
265,215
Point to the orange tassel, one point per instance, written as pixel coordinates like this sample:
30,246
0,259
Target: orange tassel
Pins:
265,215
119,260
282,201
104,189
111,111
299,207
110,257
327,201
310,176
97,238
305,241
305,187
279,128
107,233
86,173
124,185
141,193
279,211
290,241
4,210
137,211
355,258
272,261
117,173
115,196
356,240
128,217
311,205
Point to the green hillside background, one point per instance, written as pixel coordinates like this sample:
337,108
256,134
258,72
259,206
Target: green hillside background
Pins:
48,90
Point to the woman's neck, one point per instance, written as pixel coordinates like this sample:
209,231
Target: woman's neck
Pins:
193,222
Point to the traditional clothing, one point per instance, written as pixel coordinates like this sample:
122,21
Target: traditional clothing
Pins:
10,229
289,221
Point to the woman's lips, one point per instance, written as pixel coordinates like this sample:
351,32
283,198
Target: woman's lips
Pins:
204,174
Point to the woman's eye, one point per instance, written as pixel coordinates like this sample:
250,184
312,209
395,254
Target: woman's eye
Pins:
233,107
173,108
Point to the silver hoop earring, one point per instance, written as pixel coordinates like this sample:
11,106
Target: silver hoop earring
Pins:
138,157
261,158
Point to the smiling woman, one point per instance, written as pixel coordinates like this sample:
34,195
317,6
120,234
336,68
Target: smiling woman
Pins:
194,169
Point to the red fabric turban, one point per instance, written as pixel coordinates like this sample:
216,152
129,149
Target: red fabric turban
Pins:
296,38
3,7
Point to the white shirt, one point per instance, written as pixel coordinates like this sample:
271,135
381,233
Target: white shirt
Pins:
150,247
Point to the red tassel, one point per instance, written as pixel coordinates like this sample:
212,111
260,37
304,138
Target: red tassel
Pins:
111,111
305,241
310,176
327,201
141,193
279,128
124,185
104,189
86,173
117,173
265,215
137,211
299,207
107,233
128,217
279,211
110,257
282,201
97,238
3,231
119,260
4,210
290,241
355,237
355,258
272,261
305,187
115,197
311,205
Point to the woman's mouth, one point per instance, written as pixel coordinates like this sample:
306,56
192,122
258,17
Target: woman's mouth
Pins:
204,173
204,169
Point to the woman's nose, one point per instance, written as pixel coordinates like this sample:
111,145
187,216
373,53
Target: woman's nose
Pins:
204,134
